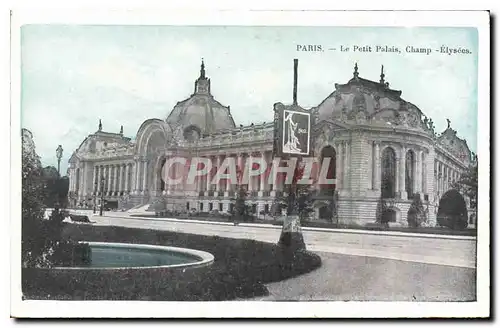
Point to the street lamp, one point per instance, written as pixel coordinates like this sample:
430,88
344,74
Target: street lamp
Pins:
103,178
59,153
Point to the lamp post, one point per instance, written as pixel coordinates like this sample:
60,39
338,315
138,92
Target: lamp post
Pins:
59,153
103,179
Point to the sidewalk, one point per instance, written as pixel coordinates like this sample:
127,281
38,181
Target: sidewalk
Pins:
271,226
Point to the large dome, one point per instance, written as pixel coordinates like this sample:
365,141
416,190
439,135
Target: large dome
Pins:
201,112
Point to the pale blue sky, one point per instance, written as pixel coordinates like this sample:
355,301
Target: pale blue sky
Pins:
74,75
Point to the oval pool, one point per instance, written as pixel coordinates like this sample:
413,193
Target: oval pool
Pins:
129,256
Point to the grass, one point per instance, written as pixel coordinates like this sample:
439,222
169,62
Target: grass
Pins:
240,270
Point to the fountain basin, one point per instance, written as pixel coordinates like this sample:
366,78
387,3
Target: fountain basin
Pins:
116,256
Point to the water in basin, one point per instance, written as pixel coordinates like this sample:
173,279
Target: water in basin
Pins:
109,256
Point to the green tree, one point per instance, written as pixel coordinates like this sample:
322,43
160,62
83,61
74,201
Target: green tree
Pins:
42,244
416,214
33,243
57,187
298,195
467,184
380,213
241,209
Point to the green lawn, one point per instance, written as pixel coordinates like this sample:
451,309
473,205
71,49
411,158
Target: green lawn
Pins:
240,270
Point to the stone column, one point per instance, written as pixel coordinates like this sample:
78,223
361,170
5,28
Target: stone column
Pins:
117,179
217,185
250,178
137,172
145,176
445,178
85,178
377,168
113,180
447,168
127,173
208,176
441,179
345,182
438,177
239,166
94,176
424,174
99,175
110,181
418,173
339,164
402,173
80,179
263,175
120,181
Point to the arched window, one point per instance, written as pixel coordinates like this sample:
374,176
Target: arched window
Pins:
388,176
410,173
329,152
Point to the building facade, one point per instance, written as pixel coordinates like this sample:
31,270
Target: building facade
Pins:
381,147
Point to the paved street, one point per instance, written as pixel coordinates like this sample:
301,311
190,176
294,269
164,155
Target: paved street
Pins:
359,278
452,252
355,266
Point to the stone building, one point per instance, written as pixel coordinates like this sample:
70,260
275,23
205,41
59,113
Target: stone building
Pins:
381,146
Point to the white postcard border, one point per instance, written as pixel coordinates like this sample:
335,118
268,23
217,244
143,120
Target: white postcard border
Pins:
126,309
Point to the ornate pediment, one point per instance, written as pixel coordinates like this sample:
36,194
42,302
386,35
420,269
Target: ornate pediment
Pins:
331,125
458,147
326,131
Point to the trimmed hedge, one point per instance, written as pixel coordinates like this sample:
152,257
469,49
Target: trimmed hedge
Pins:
240,270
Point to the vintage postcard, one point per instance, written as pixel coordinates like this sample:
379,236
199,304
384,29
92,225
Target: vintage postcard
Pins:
272,158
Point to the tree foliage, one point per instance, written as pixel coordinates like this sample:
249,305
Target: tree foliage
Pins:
240,208
33,245
467,185
299,198
42,243
57,188
380,213
416,214
452,211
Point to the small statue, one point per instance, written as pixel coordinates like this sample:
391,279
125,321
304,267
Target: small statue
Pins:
59,152
448,121
426,122
431,125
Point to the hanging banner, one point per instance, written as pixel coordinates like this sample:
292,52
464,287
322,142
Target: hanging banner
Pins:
292,131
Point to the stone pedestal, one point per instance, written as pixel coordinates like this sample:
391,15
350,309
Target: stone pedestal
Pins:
291,238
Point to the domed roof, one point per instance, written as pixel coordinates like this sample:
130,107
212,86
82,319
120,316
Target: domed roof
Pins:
360,94
201,110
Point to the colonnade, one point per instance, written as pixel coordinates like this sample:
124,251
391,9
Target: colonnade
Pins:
419,165
112,179
203,184
445,176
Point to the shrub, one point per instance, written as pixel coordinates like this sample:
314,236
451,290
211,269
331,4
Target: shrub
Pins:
40,238
240,270
416,213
